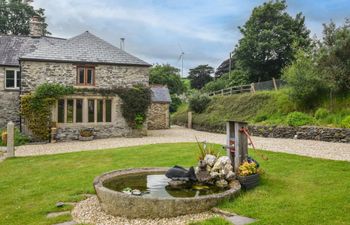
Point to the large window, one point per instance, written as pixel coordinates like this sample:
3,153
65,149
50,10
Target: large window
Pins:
85,75
96,110
12,79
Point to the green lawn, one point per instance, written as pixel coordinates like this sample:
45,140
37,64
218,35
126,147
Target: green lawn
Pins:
294,189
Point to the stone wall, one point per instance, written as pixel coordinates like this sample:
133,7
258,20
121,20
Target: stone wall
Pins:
9,102
106,76
305,132
158,116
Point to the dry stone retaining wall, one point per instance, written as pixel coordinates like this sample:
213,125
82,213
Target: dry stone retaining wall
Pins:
305,132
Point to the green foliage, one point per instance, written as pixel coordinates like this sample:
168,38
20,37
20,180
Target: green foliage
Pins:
212,221
206,149
139,120
136,101
36,107
199,102
200,76
334,57
270,39
215,85
237,77
306,86
175,103
20,139
15,17
167,75
297,119
346,122
261,118
321,113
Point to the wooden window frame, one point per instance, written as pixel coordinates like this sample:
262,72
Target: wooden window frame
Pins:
86,68
15,72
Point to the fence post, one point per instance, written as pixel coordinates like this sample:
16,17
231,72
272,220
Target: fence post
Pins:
189,120
252,87
222,91
274,83
10,139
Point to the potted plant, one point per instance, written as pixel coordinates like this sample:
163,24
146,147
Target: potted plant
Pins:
138,128
86,135
4,137
248,175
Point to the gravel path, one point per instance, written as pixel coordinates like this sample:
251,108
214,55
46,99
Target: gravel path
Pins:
90,212
317,149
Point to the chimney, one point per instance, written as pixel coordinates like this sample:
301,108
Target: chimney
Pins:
36,27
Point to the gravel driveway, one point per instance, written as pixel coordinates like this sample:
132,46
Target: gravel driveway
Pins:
318,149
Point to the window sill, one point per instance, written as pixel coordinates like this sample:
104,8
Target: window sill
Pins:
84,86
81,125
12,89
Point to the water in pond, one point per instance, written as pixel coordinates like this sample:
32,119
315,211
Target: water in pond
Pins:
156,185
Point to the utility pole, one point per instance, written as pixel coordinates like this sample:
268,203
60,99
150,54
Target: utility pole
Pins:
230,66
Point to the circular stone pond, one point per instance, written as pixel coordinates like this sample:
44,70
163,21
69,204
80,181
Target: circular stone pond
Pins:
157,199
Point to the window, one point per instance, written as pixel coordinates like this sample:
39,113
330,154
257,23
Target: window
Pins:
85,75
96,110
12,79
91,110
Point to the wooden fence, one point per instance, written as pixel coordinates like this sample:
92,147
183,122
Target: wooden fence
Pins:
273,84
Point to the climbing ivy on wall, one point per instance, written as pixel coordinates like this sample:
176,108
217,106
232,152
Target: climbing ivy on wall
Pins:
36,107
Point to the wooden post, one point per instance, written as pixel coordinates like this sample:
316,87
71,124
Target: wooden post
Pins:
230,137
274,83
252,87
10,139
222,91
241,145
189,120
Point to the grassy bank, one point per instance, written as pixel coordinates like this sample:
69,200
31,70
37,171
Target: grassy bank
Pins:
294,189
267,108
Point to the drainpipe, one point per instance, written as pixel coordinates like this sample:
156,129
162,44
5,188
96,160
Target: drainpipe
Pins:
20,93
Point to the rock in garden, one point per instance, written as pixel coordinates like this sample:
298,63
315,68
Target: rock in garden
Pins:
59,204
202,165
136,192
230,176
221,162
208,168
210,160
214,175
228,168
203,176
235,184
177,184
221,183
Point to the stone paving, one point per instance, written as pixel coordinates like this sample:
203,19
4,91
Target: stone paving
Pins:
317,149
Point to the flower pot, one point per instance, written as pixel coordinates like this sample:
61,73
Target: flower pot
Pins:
90,138
249,182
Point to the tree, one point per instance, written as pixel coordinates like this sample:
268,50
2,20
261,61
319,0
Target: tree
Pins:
15,16
225,67
270,40
200,75
334,59
167,75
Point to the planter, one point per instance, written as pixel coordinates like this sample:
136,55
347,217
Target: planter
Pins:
249,182
136,133
90,138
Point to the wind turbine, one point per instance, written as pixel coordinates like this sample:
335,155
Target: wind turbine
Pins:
181,57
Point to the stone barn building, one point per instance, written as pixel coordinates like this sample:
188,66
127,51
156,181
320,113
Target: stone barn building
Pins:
158,116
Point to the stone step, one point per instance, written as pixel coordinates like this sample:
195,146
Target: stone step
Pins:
67,223
239,220
56,214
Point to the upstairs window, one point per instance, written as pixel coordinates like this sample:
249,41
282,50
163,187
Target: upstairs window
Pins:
85,76
12,79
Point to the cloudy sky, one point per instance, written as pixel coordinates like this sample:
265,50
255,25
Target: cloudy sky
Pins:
157,30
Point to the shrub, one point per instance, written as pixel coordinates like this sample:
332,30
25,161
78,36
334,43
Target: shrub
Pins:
20,139
321,113
199,102
306,86
175,103
260,118
345,123
296,119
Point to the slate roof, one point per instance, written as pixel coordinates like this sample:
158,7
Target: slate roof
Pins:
160,94
12,47
84,48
